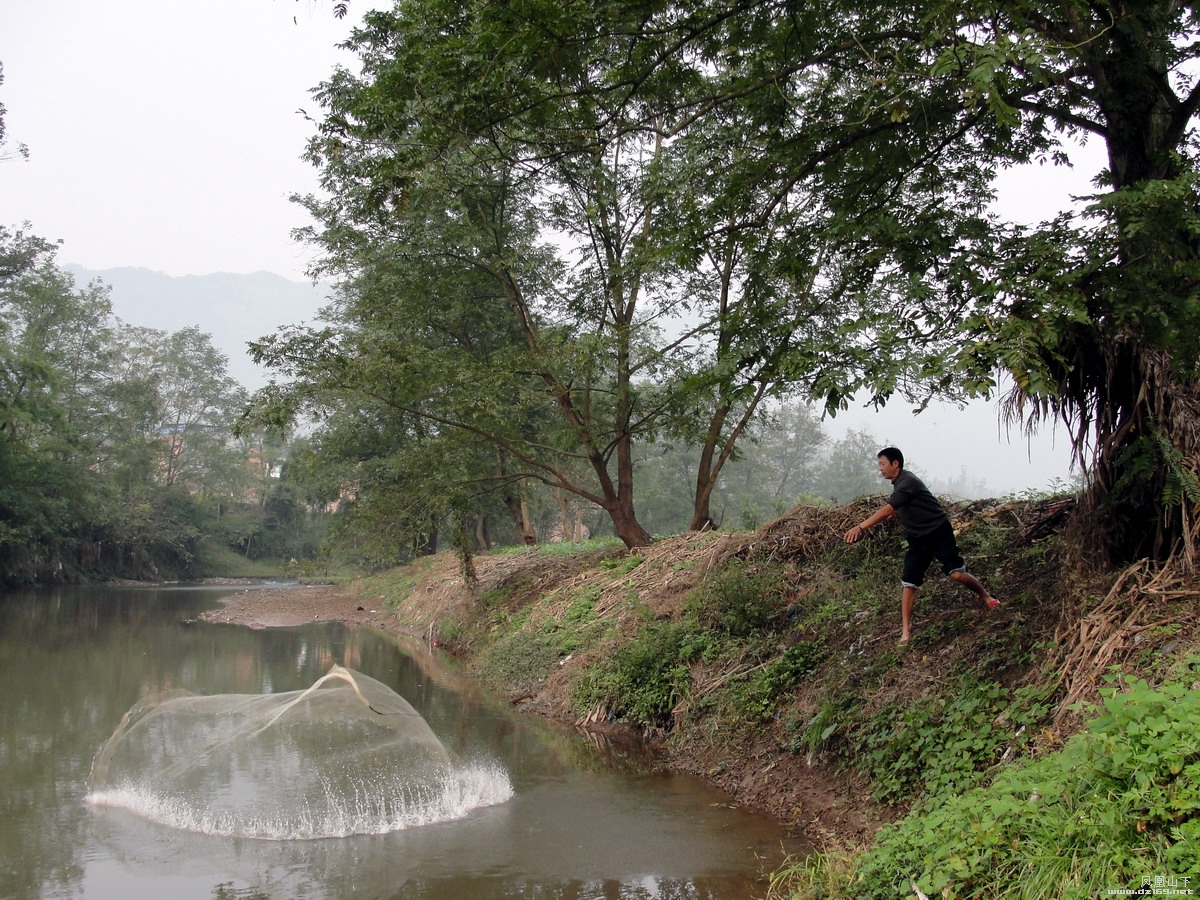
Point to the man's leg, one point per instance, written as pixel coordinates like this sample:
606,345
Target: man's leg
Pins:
907,599
916,560
965,578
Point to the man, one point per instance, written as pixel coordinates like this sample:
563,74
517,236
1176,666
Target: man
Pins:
929,534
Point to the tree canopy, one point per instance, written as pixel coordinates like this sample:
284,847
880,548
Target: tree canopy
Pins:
668,213
116,455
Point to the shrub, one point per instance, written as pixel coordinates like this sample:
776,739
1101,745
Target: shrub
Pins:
1119,804
646,678
740,600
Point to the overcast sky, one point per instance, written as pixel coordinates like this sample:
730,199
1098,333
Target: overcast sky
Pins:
166,134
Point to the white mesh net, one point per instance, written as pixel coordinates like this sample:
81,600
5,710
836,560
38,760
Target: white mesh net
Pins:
347,756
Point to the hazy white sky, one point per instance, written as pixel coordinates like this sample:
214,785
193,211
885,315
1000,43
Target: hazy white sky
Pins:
166,134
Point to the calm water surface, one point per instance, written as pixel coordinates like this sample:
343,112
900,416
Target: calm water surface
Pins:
585,822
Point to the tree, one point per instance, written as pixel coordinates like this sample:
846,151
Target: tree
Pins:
115,454
411,392
1099,317
840,161
196,405
899,108
690,282
501,199
895,118
850,470
49,366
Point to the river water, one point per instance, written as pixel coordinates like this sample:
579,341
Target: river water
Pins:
584,820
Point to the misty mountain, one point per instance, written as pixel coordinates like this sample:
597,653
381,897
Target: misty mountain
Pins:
234,309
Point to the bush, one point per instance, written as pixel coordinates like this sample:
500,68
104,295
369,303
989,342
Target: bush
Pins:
740,600
646,678
1119,804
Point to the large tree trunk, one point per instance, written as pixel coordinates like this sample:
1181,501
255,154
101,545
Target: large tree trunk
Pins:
517,503
1142,414
628,528
483,541
1146,445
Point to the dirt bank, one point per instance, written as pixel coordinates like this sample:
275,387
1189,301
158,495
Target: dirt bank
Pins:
767,662
817,799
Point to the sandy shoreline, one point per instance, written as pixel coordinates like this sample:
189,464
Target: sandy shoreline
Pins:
284,607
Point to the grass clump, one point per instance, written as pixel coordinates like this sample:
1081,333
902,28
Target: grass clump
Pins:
740,600
759,697
579,627
825,729
518,659
646,678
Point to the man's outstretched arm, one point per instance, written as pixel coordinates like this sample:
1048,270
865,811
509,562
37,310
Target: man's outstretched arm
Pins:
882,514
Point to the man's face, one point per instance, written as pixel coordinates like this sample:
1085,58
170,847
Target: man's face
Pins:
888,469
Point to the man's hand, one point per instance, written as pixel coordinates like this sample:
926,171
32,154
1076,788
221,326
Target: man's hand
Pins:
884,513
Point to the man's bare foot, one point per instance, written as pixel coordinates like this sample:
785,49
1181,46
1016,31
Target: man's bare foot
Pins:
904,638
991,603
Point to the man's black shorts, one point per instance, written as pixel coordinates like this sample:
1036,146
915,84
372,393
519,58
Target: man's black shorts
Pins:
938,544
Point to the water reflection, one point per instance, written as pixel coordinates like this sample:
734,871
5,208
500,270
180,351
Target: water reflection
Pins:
73,661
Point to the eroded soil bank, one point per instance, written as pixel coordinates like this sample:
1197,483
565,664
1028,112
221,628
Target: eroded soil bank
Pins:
811,795
783,665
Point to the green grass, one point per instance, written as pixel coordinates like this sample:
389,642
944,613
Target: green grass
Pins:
219,561
394,585
519,654
645,678
1120,803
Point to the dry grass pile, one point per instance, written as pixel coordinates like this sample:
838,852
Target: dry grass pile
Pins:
808,532
1146,610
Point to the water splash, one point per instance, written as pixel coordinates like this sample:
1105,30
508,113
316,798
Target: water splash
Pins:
347,756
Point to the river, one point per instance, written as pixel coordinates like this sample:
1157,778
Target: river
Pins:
585,820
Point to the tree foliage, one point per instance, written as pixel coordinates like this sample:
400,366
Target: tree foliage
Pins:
21,149
683,210
115,450
657,275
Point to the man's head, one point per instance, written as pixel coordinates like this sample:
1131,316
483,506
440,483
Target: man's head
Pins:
891,461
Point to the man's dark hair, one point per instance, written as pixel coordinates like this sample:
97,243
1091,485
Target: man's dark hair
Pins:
893,455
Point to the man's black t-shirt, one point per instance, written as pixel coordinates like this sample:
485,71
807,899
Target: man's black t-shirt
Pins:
919,511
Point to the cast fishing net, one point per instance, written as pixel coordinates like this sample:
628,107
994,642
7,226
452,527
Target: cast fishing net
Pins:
347,756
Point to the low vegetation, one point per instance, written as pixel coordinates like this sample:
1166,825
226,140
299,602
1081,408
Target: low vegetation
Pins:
1046,749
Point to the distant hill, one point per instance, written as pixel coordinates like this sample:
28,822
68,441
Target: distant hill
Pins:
234,309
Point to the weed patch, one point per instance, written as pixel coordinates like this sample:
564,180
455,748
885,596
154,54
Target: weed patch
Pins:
759,697
645,678
740,600
1119,804
944,743
519,659
825,729
620,565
